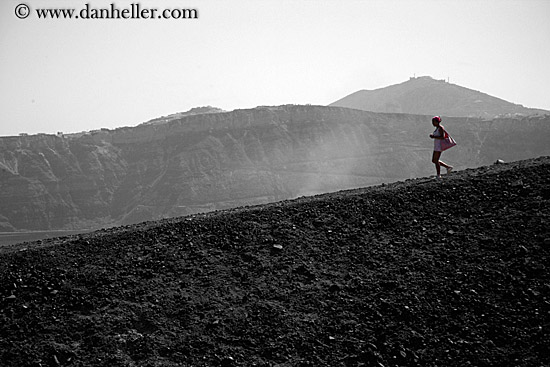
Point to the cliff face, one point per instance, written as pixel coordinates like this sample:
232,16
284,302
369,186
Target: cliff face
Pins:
50,182
216,161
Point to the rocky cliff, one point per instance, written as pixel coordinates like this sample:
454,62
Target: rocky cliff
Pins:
220,160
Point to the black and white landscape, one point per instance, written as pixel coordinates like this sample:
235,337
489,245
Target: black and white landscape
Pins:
250,183
210,159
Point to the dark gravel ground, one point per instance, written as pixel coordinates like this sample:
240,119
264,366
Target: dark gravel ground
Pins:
424,272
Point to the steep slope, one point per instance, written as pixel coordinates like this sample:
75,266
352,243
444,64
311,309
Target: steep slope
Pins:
222,160
427,96
417,273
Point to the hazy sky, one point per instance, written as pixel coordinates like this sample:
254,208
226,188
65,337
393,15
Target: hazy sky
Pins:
80,74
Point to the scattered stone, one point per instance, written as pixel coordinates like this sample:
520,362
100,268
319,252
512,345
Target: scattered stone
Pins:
334,288
517,183
187,299
227,361
533,292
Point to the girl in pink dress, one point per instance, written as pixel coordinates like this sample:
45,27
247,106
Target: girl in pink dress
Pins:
437,136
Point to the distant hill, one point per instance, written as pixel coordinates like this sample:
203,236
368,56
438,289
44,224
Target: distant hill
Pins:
427,96
212,161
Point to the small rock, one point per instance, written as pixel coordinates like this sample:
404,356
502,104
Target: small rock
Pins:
278,247
546,241
11,297
228,361
334,288
517,183
533,292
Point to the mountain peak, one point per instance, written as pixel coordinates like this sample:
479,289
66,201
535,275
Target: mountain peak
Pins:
426,95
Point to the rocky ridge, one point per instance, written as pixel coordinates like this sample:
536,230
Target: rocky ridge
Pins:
211,161
179,115
423,272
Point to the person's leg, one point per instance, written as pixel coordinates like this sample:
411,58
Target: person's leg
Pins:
438,163
435,160
441,163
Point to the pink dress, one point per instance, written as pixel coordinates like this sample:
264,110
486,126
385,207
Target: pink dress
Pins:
437,142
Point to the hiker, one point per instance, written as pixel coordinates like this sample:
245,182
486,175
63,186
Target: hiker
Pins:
438,135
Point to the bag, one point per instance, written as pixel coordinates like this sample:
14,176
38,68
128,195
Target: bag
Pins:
447,142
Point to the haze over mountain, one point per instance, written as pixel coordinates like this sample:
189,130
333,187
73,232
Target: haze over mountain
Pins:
427,96
204,162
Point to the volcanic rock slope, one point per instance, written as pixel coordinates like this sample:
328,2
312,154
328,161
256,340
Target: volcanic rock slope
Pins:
451,272
195,163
